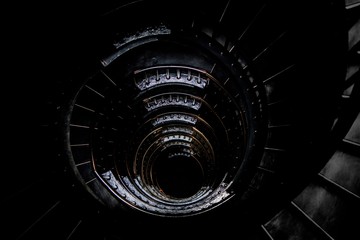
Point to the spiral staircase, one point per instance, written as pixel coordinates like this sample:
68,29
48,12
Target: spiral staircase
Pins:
211,120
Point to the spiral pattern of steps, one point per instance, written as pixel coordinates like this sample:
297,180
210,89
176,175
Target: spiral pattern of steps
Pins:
256,104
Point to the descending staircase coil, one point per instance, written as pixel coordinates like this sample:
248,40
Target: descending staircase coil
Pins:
221,115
